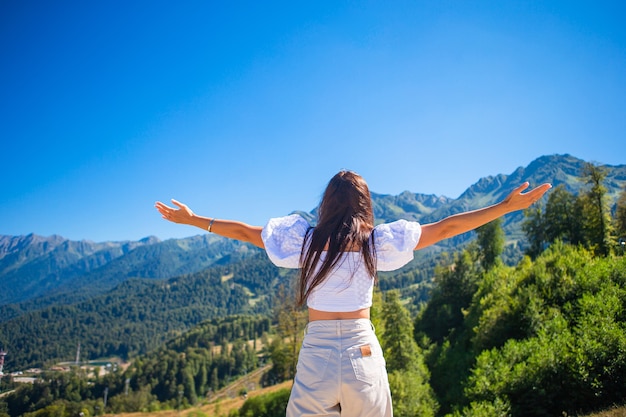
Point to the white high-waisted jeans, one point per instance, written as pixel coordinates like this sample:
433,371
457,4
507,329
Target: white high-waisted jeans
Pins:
341,372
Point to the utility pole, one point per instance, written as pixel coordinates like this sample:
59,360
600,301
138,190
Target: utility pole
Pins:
2,355
180,397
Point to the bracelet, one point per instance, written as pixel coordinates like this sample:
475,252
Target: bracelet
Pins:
211,225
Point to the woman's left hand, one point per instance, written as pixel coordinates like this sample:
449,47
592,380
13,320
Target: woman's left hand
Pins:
519,201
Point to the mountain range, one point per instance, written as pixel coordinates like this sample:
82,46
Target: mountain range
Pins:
35,267
150,290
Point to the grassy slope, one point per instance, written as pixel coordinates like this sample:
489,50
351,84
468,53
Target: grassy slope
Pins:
218,407
225,401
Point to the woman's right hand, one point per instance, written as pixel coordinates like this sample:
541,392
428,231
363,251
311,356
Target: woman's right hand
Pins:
181,215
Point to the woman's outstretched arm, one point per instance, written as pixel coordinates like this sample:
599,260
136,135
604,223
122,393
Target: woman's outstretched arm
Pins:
464,222
227,228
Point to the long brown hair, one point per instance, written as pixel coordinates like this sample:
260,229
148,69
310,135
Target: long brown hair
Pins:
345,223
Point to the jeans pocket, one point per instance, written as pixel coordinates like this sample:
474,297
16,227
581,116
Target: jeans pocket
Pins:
368,363
312,364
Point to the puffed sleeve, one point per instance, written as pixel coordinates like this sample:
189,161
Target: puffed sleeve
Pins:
395,243
283,238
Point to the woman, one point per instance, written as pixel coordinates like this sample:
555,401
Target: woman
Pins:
341,369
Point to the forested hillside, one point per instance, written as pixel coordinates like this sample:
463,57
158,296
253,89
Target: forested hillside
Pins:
139,315
54,270
183,370
542,338
463,331
33,265
546,337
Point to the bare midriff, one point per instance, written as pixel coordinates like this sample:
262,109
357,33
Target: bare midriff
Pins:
314,315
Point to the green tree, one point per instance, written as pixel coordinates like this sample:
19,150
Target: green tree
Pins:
412,396
491,243
596,215
560,220
408,374
563,217
620,215
291,322
215,381
400,349
455,285
535,231
269,405
376,312
132,401
570,356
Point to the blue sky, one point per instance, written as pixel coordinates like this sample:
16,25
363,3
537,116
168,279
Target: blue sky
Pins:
244,110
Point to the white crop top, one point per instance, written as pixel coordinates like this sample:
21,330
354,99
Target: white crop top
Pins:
349,287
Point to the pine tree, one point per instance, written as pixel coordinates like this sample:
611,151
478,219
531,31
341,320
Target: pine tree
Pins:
408,374
596,217
491,243
401,350
563,217
620,219
534,228
455,286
